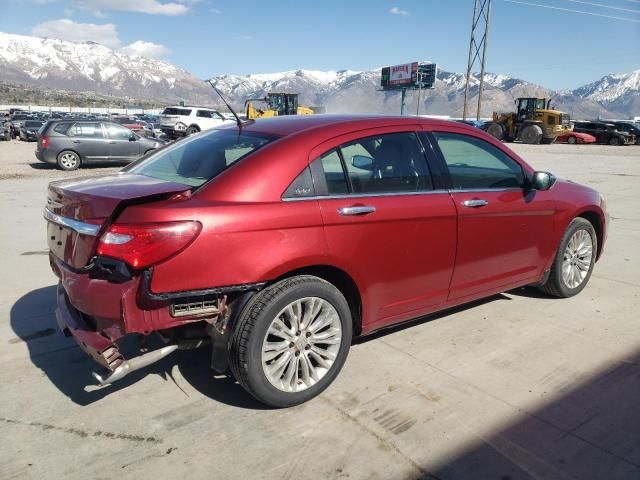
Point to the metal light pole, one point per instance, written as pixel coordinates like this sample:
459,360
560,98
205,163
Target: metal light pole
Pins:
477,50
403,102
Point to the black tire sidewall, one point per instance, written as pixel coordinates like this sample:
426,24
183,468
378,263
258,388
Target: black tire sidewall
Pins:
260,386
572,140
191,131
574,226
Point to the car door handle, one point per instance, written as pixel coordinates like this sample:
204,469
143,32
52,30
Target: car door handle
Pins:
475,203
360,210
76,141
112,143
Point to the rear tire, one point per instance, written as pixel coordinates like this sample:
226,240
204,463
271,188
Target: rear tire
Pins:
191,130
277,352
573,263
531,134
68,160
615,141
572,140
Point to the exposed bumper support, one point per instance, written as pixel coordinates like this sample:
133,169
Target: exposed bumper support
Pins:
128,366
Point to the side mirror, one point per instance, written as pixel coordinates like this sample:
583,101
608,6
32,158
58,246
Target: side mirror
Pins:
542,181
362,162
132,138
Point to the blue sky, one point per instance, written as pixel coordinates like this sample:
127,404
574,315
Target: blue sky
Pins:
549,46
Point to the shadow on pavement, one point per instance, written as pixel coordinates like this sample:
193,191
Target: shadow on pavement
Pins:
589,431
69,368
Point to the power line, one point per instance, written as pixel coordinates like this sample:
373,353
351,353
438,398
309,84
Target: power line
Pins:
573,11
600,5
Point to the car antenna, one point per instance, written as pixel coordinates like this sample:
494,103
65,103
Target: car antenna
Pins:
238,120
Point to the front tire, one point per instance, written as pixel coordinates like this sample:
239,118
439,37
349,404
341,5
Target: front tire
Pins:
291,341
574,261
571,140
615,141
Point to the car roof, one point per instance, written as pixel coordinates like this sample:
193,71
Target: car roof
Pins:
288,125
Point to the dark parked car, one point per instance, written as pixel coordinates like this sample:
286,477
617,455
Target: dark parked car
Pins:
29,130
604,133
280,242
71,143
16,121
630,128
5,131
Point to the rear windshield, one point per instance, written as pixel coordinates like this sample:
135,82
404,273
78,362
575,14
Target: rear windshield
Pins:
32,124
122,121
176,111
197,160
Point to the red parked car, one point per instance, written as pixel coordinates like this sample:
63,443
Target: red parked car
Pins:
576,137
280,242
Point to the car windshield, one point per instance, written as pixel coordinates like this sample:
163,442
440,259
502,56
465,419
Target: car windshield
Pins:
123,121
197,160
32,124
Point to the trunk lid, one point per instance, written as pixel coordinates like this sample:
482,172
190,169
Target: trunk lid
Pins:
78,209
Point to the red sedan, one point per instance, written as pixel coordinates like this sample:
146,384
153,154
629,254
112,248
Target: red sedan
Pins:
576,137
279,242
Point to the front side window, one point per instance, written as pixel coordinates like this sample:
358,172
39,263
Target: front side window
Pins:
476,164
198,159
117,132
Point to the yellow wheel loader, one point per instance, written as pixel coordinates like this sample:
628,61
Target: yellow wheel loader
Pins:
278,104
532,122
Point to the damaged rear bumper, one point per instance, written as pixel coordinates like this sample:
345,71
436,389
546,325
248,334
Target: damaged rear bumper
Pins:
101,349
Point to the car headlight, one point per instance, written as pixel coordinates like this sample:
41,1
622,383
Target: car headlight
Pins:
180,126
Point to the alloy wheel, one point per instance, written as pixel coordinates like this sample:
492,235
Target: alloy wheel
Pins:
577,259
68,160
301,344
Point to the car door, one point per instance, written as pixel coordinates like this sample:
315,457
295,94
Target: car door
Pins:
88,140
123,143
503,227
386,222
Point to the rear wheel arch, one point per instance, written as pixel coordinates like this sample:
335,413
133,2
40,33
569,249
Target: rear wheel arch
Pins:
339,279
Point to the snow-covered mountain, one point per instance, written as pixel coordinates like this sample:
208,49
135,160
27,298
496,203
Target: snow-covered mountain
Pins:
349,91
88,66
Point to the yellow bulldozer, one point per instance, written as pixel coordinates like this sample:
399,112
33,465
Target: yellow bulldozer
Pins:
533,122
278,104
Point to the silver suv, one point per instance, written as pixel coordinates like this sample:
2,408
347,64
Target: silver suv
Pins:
178,121
71,143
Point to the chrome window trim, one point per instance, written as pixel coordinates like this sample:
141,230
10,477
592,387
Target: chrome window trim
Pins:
364,195
399,194
75,225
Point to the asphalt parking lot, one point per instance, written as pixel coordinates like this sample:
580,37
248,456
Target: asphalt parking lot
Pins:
517,386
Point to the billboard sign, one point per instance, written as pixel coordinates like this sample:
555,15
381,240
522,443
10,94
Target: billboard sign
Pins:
404,74
408,75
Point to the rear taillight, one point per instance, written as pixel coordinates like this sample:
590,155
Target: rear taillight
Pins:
146,244
44,142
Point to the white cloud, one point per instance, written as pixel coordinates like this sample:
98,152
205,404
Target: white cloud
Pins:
398,11
215,10
153,7
146,49
66,29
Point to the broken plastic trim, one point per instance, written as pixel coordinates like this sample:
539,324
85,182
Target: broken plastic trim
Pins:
146,289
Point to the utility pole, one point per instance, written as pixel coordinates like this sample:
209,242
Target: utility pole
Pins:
403,102
419,92
477,49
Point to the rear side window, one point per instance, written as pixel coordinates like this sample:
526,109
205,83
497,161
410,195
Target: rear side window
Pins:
62,128
391,163
86,130
196,160
476,164
334,173
176,111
